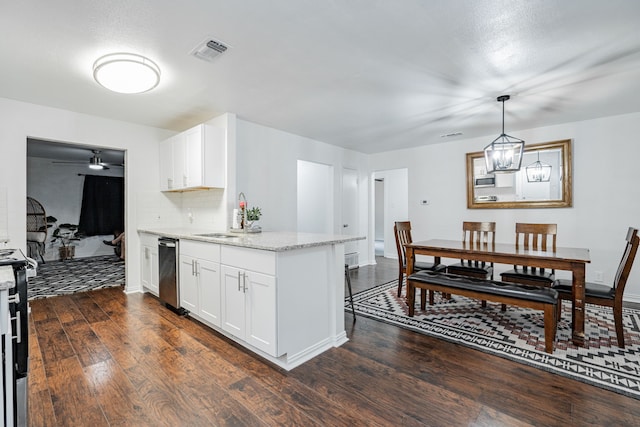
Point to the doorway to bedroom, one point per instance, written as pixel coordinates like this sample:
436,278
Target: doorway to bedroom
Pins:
80,190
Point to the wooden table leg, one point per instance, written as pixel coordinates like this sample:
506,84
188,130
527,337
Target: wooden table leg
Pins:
411,298
577,318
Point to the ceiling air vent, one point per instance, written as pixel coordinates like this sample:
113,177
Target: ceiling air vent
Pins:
209,50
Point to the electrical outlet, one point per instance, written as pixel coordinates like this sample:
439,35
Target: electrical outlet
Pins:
599,276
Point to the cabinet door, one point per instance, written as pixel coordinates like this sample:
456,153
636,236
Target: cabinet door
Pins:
261,312
178,153
188,283
166,165
193,143
233,305
213,157
149,268
209,287
154,284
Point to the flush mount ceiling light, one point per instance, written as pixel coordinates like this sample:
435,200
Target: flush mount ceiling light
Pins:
538,171
126,73
504,154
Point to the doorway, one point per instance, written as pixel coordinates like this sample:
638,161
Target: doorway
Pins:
390,204
379,217
56,173
315,197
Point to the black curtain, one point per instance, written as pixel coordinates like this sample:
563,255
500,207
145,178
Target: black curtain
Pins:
102,205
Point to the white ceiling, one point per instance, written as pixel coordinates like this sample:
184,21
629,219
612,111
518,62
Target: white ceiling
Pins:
370,75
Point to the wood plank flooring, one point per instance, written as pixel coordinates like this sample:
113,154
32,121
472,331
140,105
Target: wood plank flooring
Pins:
104,358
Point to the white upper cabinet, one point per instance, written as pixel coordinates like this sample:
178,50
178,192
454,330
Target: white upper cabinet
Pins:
193,159
166,165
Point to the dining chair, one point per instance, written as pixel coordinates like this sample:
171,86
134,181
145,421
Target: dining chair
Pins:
609,296
402,232
535,237
475,234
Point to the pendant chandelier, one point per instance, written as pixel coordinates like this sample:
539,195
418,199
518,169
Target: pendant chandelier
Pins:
538,171
504,154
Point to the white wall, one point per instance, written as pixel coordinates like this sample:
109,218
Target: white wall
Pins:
605,192
21,120
267,172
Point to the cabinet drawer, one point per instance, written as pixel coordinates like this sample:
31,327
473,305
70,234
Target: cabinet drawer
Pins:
249,259
202,250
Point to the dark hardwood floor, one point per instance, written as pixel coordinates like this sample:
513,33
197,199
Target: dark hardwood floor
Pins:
104,358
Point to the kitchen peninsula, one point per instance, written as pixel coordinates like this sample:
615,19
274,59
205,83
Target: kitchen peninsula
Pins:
279,294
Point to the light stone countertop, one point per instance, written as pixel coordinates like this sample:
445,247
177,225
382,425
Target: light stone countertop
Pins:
7,280
268,240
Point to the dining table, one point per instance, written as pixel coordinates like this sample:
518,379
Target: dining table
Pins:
563,258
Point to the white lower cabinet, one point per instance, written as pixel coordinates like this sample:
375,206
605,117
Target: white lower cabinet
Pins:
249,306
199,273
149,263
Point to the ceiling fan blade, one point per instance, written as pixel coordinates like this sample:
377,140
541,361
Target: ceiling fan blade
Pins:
68,162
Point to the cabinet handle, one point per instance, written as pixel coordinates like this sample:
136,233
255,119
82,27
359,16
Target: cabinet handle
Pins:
244,283
193,267
197,268
238,281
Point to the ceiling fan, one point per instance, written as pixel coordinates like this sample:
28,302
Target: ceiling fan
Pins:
95,162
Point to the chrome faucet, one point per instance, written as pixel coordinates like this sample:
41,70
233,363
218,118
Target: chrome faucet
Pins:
243,224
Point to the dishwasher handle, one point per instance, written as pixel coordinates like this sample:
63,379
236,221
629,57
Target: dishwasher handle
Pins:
167,243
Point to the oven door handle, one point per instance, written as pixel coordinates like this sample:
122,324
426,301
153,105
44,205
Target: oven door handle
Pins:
18,336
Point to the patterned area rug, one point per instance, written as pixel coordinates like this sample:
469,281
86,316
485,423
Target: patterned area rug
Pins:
518,335
76,275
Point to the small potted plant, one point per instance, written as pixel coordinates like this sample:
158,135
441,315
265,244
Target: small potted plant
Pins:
253,215
65,234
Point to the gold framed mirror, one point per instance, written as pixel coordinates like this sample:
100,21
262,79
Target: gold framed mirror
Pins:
514,190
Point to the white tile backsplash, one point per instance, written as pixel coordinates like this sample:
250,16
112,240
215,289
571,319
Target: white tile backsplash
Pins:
201,209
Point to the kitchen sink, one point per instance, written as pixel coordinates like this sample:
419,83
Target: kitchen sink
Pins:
217,235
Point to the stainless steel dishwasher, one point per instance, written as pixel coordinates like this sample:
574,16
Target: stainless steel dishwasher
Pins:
168,274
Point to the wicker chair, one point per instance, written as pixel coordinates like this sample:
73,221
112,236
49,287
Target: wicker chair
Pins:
36,228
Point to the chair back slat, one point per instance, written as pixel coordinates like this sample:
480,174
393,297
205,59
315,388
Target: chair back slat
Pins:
476,234
536,237
628,256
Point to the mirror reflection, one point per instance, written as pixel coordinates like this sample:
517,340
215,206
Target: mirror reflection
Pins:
544,179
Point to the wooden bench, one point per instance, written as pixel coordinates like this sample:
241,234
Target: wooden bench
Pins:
535,297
